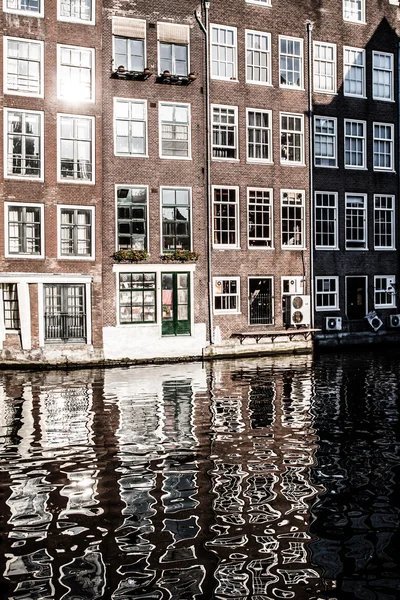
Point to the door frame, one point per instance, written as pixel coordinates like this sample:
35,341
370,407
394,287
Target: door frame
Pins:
365,277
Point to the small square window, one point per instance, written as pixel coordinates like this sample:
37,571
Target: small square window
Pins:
226,294
354,10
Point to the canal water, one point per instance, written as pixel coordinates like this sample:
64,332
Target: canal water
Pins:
268,478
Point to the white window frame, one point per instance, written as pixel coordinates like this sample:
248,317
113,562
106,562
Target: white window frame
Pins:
220,125
300,85
7,253
173,45
27,13
331,291
91,210
270,217
348,66
60,179
375,72
7,111
285,196
260,129
330,223
175,124
388,213
146,143
190,211
131,186
347,14
74,98
39,43
292,132
386,142
222,311
233,30
259,51
128,65
236,245
259,2
360,213
390,281
327,135
324,61
352,151
90,21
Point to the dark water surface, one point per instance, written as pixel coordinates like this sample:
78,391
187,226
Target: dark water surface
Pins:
264,479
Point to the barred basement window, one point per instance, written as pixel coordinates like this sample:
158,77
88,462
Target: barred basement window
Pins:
137,298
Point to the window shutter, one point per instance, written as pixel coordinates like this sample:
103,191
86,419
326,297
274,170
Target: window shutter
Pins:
130,28
173,33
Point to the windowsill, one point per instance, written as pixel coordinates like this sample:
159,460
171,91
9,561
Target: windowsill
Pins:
226,247
262,83
176,157
255,3
384,170
383,100
261,248
13,331
226,312
355,168
25,13
326,167
292,164
301,248
24,256
325,248
22,178
325,94
75,21
327,309
74,258
353,22
378,249
76,101
356,249
138,323
292,87
22,94
233,160
255,161
227,79
131,155
76,182
355,96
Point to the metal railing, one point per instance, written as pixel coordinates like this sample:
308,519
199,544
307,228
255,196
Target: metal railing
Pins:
65,326
261,310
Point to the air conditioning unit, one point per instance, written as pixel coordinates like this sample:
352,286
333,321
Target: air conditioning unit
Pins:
374,321
394,321
298,310
333,323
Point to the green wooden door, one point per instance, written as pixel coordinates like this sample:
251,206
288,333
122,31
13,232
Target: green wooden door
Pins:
175,304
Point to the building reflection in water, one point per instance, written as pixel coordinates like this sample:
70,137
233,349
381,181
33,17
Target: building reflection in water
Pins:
192,481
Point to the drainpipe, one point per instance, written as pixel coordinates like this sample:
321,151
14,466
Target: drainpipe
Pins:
309,25
397,288
205,29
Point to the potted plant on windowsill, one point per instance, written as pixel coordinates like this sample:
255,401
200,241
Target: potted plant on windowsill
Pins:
132,256
182,256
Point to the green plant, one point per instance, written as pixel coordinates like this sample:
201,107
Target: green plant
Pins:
130,255
181,256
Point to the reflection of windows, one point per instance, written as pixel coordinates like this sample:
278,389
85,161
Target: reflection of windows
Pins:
24,63
356,222
175,219
223,52
174,130
325,142
383,147
129,36
132,218
354,144
173,48
130,127
327,293
354,10
76,10
10,305
76,232
260,217
384,291
258,57
76,143
225,217
30,7
382,76
24,231
224,123
324,67
384,223
292,139
326,220
259,147
24,144
75,73
226,294
137,297
354,72
292,219
291,62
65,313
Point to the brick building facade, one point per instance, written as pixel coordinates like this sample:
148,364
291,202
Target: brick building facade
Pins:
275,161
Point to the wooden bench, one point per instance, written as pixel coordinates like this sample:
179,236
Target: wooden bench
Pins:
273,334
